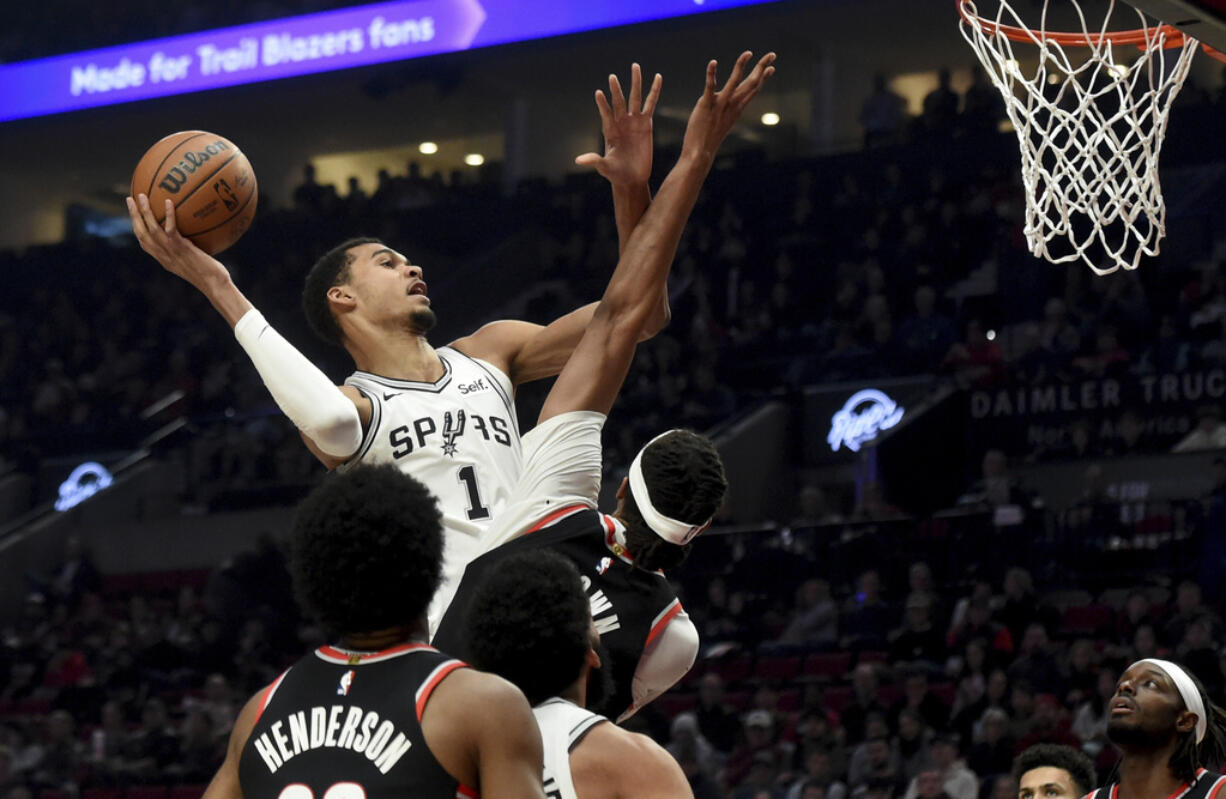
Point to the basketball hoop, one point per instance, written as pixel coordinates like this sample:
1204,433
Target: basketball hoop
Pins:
1090,128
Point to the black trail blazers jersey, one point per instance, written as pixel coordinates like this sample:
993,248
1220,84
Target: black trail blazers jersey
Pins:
630,606
1207,786
341,718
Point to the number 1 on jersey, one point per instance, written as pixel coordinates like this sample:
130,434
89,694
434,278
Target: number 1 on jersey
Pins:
476,511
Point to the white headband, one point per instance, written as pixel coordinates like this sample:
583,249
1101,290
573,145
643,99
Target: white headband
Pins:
1187,690
671,530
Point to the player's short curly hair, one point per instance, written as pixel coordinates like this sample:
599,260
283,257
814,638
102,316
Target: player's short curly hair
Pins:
1079,767
530,622
332,269
685,477
366,550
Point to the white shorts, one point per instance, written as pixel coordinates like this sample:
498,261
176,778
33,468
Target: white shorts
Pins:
561,467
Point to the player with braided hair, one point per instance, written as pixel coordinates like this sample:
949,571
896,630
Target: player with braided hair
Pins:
1169,734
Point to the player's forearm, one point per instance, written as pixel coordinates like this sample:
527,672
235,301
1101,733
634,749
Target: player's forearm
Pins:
231,303
303,393
629,204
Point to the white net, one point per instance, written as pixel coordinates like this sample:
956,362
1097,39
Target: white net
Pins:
1090,118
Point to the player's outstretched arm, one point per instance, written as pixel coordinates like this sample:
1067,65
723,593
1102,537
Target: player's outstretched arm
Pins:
224,784
598,766
528,352
626,163
594,374
330,417
481,730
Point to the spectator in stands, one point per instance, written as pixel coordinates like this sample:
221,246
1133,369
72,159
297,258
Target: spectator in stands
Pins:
992,752
1081,672
927,335
1036,664
918,696
948,772
153,745
883,115
1020,606
815,619
815,508
1210,432
108,743
1198,654
1109,358
865,701
706,400
312,197
75,575
866,617
873,505
920,583
1049,724
62,753
760,738
1189,608
817,771
979,624
1145,644
685,739
1136,612
941,105
996,487
1091,716
1168,354
911,743
8,774
982,106
918,641
717,722
1021,709
879,764
702,786
200,751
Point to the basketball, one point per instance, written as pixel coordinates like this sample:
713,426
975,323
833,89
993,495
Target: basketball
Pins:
208,179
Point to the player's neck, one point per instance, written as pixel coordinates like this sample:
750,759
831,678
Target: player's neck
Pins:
385,639
401,356
576,692
1147,775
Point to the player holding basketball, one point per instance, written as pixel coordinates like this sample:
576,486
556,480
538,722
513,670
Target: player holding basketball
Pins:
676,482
381,714
444,415
531,623
1167,731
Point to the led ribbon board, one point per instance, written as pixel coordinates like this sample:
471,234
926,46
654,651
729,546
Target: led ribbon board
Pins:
311,43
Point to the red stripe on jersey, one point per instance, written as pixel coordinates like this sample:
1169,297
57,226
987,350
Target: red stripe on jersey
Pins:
659,626
423,693
268,692
1217,788
553,517
464,792
354,657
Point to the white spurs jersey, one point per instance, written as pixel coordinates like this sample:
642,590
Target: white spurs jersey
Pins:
563,725
458,436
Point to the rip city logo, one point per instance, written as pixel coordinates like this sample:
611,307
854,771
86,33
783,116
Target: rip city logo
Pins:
452,429
226,194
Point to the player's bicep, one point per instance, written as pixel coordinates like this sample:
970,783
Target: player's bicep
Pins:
225,784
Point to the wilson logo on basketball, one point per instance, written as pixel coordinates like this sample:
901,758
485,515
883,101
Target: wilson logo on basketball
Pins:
176,176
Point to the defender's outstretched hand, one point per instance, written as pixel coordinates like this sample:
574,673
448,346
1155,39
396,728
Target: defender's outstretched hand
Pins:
717,111
181,257
627,131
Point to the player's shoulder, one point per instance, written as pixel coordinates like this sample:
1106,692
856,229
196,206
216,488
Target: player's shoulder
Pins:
485,695
497,342
609,755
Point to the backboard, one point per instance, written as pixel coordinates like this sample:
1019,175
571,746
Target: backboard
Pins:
1202,19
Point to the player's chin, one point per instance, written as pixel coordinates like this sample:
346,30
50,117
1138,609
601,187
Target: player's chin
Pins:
423,319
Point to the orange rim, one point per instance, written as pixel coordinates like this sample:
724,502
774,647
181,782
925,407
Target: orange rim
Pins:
1174,36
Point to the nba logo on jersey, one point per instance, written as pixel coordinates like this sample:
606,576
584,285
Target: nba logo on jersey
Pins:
604,565
346,681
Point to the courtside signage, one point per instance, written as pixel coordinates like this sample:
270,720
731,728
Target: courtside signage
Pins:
321,42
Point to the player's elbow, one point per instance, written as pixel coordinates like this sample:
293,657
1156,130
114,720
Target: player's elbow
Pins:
337,431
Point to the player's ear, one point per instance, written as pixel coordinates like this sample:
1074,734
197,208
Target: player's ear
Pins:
341,296
593,658
1186,722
